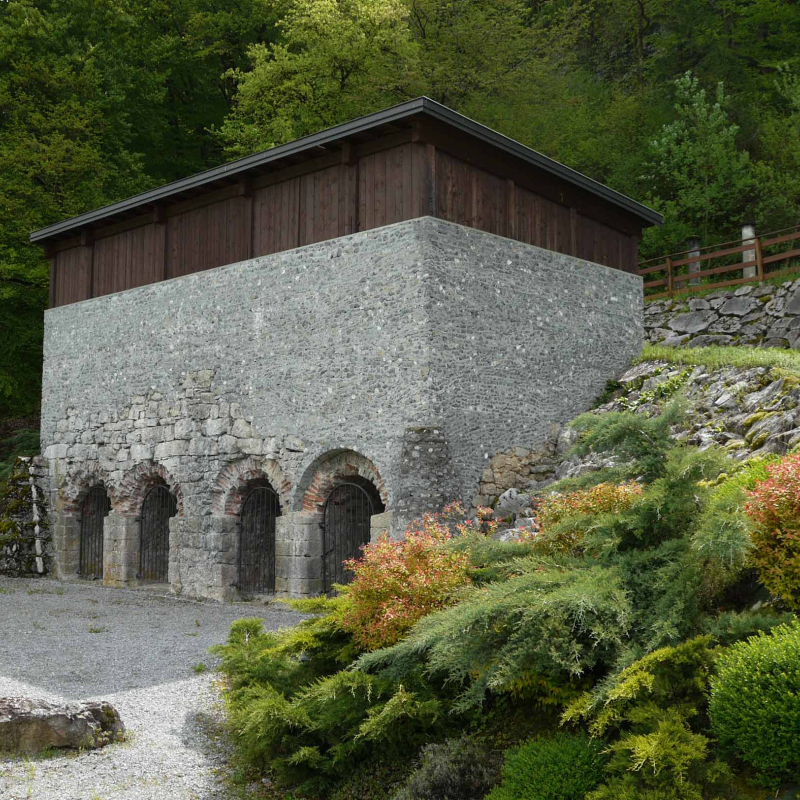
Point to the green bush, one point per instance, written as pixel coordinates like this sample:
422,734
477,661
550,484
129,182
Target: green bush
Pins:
755,702
458,769
564,767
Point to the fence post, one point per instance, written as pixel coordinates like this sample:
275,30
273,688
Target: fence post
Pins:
748,237
669,276
759,261
693,245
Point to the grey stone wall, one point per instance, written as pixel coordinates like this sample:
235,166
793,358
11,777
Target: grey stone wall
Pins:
408,355
758,316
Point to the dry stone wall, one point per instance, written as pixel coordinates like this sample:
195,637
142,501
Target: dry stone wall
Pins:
761,316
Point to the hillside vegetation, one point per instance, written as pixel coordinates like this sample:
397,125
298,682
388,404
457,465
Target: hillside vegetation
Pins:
637,638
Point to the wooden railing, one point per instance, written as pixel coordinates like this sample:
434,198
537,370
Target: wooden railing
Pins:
700,269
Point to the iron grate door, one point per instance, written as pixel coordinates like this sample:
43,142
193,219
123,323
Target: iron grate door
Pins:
257,541
94,510
159,506
346,529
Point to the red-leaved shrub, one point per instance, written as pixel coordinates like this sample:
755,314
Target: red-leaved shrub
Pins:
774,508
398,582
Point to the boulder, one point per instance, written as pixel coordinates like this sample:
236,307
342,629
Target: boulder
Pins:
710,341
35,725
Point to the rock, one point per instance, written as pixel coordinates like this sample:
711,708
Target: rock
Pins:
764,291
710,341
763,398
775,307
725,325
742,291
35,725
793,303
775,342
698,304
511,503
738,306
676,341
693,322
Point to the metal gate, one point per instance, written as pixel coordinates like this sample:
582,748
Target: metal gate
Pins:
94,510
345,528
257,541
158,507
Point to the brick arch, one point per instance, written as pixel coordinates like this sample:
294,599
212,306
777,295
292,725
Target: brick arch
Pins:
77,485
330,469
233,481
128,495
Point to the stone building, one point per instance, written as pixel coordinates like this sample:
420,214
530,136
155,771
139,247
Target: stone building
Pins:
250,372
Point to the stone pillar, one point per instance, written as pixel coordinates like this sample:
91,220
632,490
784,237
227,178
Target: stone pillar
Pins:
121,543
748,237
693,246
298,554
202,557
66,545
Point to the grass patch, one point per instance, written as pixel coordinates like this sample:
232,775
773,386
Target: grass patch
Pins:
98,629
787,361
199,667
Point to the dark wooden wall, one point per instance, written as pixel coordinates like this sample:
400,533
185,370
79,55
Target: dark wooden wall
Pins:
340,193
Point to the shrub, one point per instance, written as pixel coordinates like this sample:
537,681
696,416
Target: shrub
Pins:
755,701
774,507
564,767
563,518
458,769
396,583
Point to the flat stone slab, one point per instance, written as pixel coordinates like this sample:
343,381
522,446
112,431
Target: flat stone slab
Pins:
30,726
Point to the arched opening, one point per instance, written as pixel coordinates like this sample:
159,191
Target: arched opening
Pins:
94,509
346,517
158,507
260,509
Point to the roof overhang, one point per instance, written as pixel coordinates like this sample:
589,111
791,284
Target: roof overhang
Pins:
378,124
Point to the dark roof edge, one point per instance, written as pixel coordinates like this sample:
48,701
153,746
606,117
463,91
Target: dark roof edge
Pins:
398,112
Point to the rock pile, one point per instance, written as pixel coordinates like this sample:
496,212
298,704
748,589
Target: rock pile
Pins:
762,316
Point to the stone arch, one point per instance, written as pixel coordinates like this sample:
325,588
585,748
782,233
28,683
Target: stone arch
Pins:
77,485
233,481
128,495
330,469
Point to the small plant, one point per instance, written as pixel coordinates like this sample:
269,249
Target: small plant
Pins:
755,702
97,629
458,769
564,767
774,507
199,667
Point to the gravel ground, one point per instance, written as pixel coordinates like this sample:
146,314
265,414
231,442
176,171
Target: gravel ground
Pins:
136,649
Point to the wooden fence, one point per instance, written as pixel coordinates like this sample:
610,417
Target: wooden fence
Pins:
719,265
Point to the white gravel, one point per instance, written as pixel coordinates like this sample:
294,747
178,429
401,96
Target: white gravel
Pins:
136,649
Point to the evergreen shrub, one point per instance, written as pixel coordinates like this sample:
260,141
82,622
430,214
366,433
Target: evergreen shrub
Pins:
755,702
564,767
457,769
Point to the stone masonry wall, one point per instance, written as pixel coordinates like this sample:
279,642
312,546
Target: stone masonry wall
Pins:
760,316
408,355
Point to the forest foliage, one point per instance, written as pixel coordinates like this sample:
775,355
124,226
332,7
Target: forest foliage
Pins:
691,106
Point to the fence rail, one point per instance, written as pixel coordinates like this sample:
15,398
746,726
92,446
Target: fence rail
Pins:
697,270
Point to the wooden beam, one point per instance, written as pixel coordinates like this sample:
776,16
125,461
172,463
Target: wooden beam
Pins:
511,209
432,193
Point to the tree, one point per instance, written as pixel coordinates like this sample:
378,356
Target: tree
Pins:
698,176
338,59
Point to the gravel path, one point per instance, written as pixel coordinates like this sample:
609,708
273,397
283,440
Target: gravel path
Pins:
136,649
